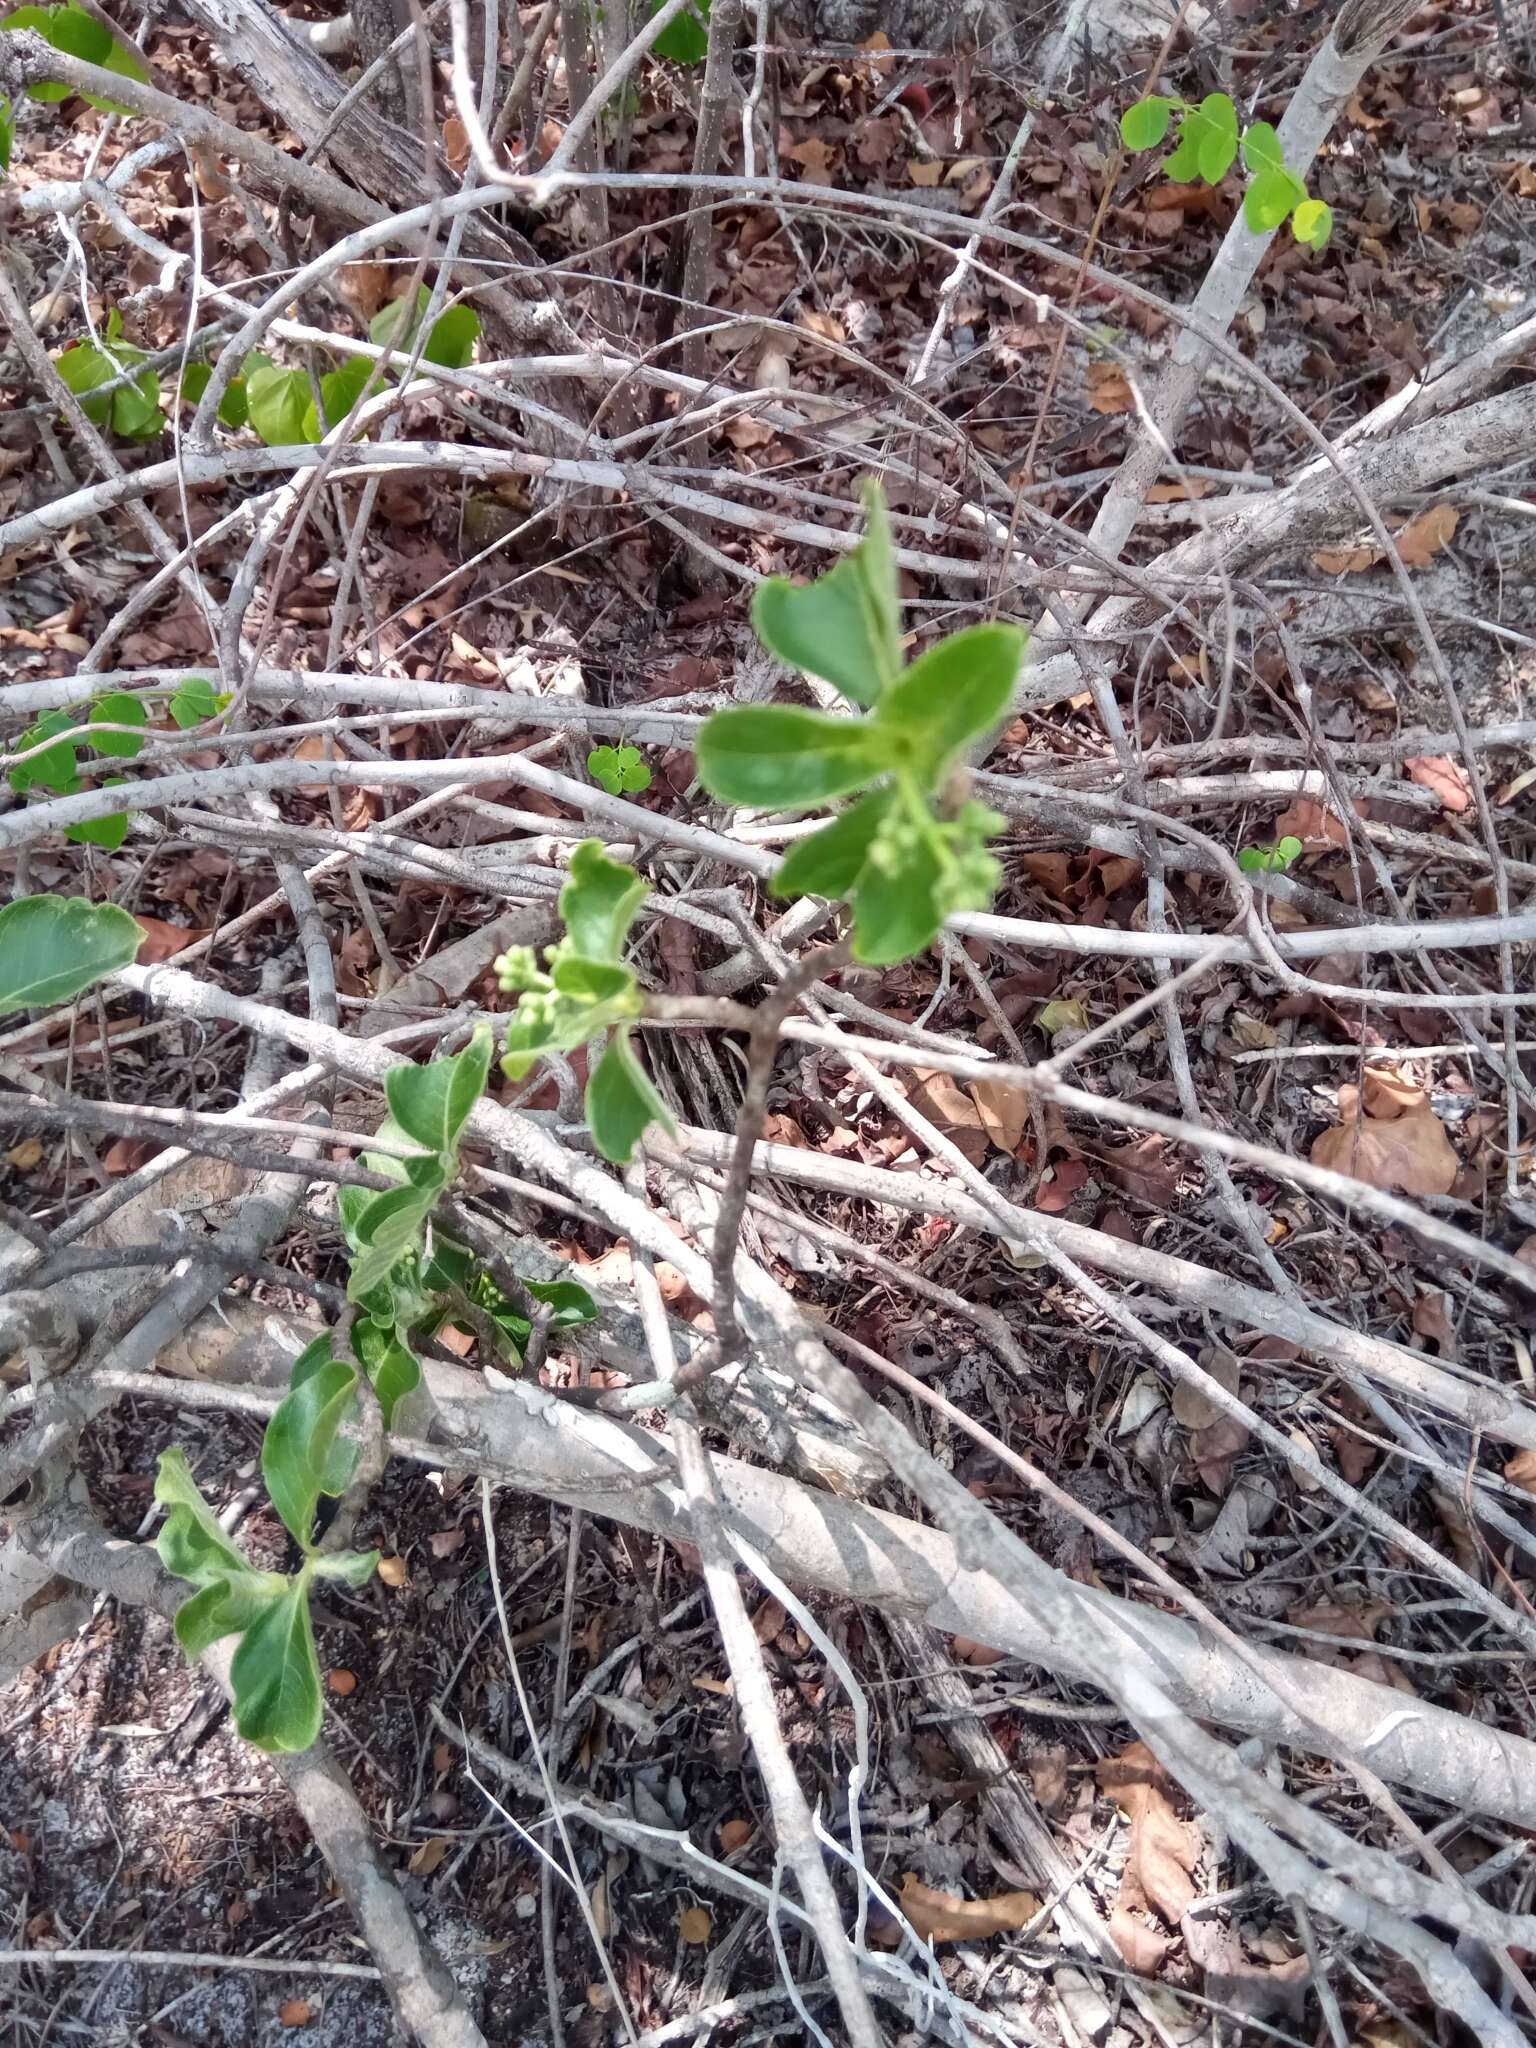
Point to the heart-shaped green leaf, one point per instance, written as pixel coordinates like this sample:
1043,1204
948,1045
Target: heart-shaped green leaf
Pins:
118,708
1144,125
1312,223
1270,199
280,405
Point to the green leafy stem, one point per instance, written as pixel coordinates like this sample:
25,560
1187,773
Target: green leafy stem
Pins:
277,402
408,1275
50,748
1209,144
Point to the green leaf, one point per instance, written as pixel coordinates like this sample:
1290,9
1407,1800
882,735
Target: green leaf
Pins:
621,1100
1253,860
78,34
108,832
83,366
619,770
196,701
342,1462
1183,167
1312,223
234,409
390,1226
191,1545
590,981
1289,850
58,768
829,862
1144,125
280,405
134,410
895,909
430,1103
1261,149
224,1607
846,626
392,1367
603,767
393,325
920,870
341,388
352,1567
684,41
53,947
1270,199
275,1675
1217,136
599,903
451,340
572,1305
7,134
118,708
954,694
296,1449
777,757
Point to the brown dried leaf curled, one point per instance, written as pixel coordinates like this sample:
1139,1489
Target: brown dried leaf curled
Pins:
940,1916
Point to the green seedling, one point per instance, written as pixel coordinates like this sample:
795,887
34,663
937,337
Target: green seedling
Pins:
619,770
1270,860
1210,141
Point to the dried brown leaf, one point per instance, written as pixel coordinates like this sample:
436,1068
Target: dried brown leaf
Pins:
1344,561
1424,536
1350,1621
1163,1849
1316,827
1386,1095
1444,778
1521,1470
1146,1168
1142,1946
1108,389
162,940
1192,1406
941,1099
1411,1154
1004,1112
940,1916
